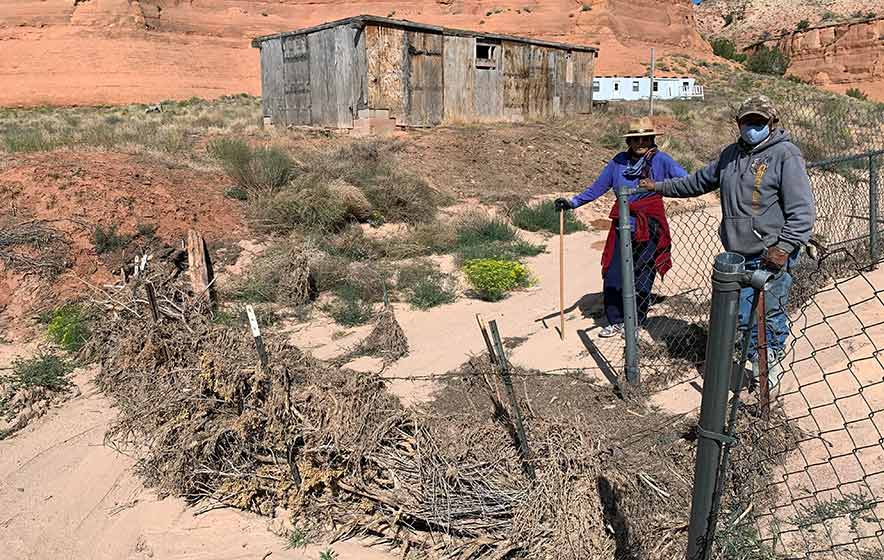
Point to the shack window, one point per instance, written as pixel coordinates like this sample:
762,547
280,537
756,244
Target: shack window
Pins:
616,86
635,86
569,69
486,55
685,84
596,86
656,86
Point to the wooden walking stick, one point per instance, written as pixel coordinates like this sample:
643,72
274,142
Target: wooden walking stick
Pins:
562,273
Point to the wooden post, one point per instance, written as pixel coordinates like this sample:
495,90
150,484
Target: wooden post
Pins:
521,437
484,328
198,261
562,273
651,95
256,334
152,300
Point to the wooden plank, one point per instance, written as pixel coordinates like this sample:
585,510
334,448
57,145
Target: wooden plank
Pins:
345,76
199,265
489,88
273,82
424,79
385,53
538,82
459,72
360,83
584,70
323,85
515,75
296,65
555,91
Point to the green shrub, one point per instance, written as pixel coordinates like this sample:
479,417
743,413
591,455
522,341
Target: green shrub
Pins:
147,231
857,93
306,209
543,216
768,60
69,327
348,308
26,140
725,48
261,172
236,193
484,237
492,278
424,285
45,370
107,240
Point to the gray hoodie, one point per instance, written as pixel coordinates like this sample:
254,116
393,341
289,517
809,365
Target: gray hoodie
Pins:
780,211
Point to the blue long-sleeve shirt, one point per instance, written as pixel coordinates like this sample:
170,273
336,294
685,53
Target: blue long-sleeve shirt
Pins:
662,167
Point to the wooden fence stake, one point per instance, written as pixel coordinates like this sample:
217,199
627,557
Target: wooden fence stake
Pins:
524,450
198,261
256,334
152,300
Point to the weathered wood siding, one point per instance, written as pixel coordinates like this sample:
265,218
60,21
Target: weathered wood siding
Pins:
515,77
385,53
296,75
333,86
423,79
489,89
584,69
272,80
459,73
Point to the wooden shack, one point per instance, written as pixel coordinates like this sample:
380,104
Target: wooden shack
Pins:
367,72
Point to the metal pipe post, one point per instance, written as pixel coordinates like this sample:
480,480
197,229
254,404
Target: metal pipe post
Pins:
630,320
873,211
651,96
727,274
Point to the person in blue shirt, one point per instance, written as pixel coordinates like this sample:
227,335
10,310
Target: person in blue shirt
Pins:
651,241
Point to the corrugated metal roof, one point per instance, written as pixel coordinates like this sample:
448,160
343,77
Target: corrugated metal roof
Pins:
361,21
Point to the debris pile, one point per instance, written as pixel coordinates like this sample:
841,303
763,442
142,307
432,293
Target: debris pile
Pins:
211,424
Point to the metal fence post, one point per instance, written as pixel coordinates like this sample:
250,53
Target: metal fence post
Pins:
873,211
630,320
727,274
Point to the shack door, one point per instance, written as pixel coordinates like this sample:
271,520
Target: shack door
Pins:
423,79
296,72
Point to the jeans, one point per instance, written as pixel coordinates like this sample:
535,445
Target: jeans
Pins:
645,274
776,297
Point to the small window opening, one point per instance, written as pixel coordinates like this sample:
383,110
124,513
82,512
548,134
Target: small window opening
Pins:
685,84
486,55
656,86
596,86
616,86
635,86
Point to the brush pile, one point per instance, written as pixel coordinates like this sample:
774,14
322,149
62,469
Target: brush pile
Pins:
32,246
213,425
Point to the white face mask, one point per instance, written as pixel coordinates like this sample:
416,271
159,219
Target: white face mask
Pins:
754,134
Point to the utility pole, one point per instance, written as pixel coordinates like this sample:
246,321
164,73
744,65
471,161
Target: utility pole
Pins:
651,96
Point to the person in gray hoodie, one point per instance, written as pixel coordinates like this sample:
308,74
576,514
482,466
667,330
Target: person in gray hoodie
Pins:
768,213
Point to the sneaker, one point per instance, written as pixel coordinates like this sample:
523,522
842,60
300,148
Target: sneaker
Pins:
774,372
611,331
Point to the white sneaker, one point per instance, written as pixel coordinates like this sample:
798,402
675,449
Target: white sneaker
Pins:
611,331
774,371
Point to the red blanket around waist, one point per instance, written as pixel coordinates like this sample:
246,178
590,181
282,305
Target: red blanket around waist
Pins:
642,209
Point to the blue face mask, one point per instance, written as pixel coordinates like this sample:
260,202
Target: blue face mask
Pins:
754,134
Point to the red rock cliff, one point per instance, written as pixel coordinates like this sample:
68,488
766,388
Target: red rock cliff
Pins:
839,56
119,51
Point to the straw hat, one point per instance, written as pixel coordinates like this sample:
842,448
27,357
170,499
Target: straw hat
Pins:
641,127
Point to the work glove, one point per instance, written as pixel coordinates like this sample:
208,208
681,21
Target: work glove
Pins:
775,258
563,204
647,184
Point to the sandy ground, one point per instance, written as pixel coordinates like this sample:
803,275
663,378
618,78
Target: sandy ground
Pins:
64,495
